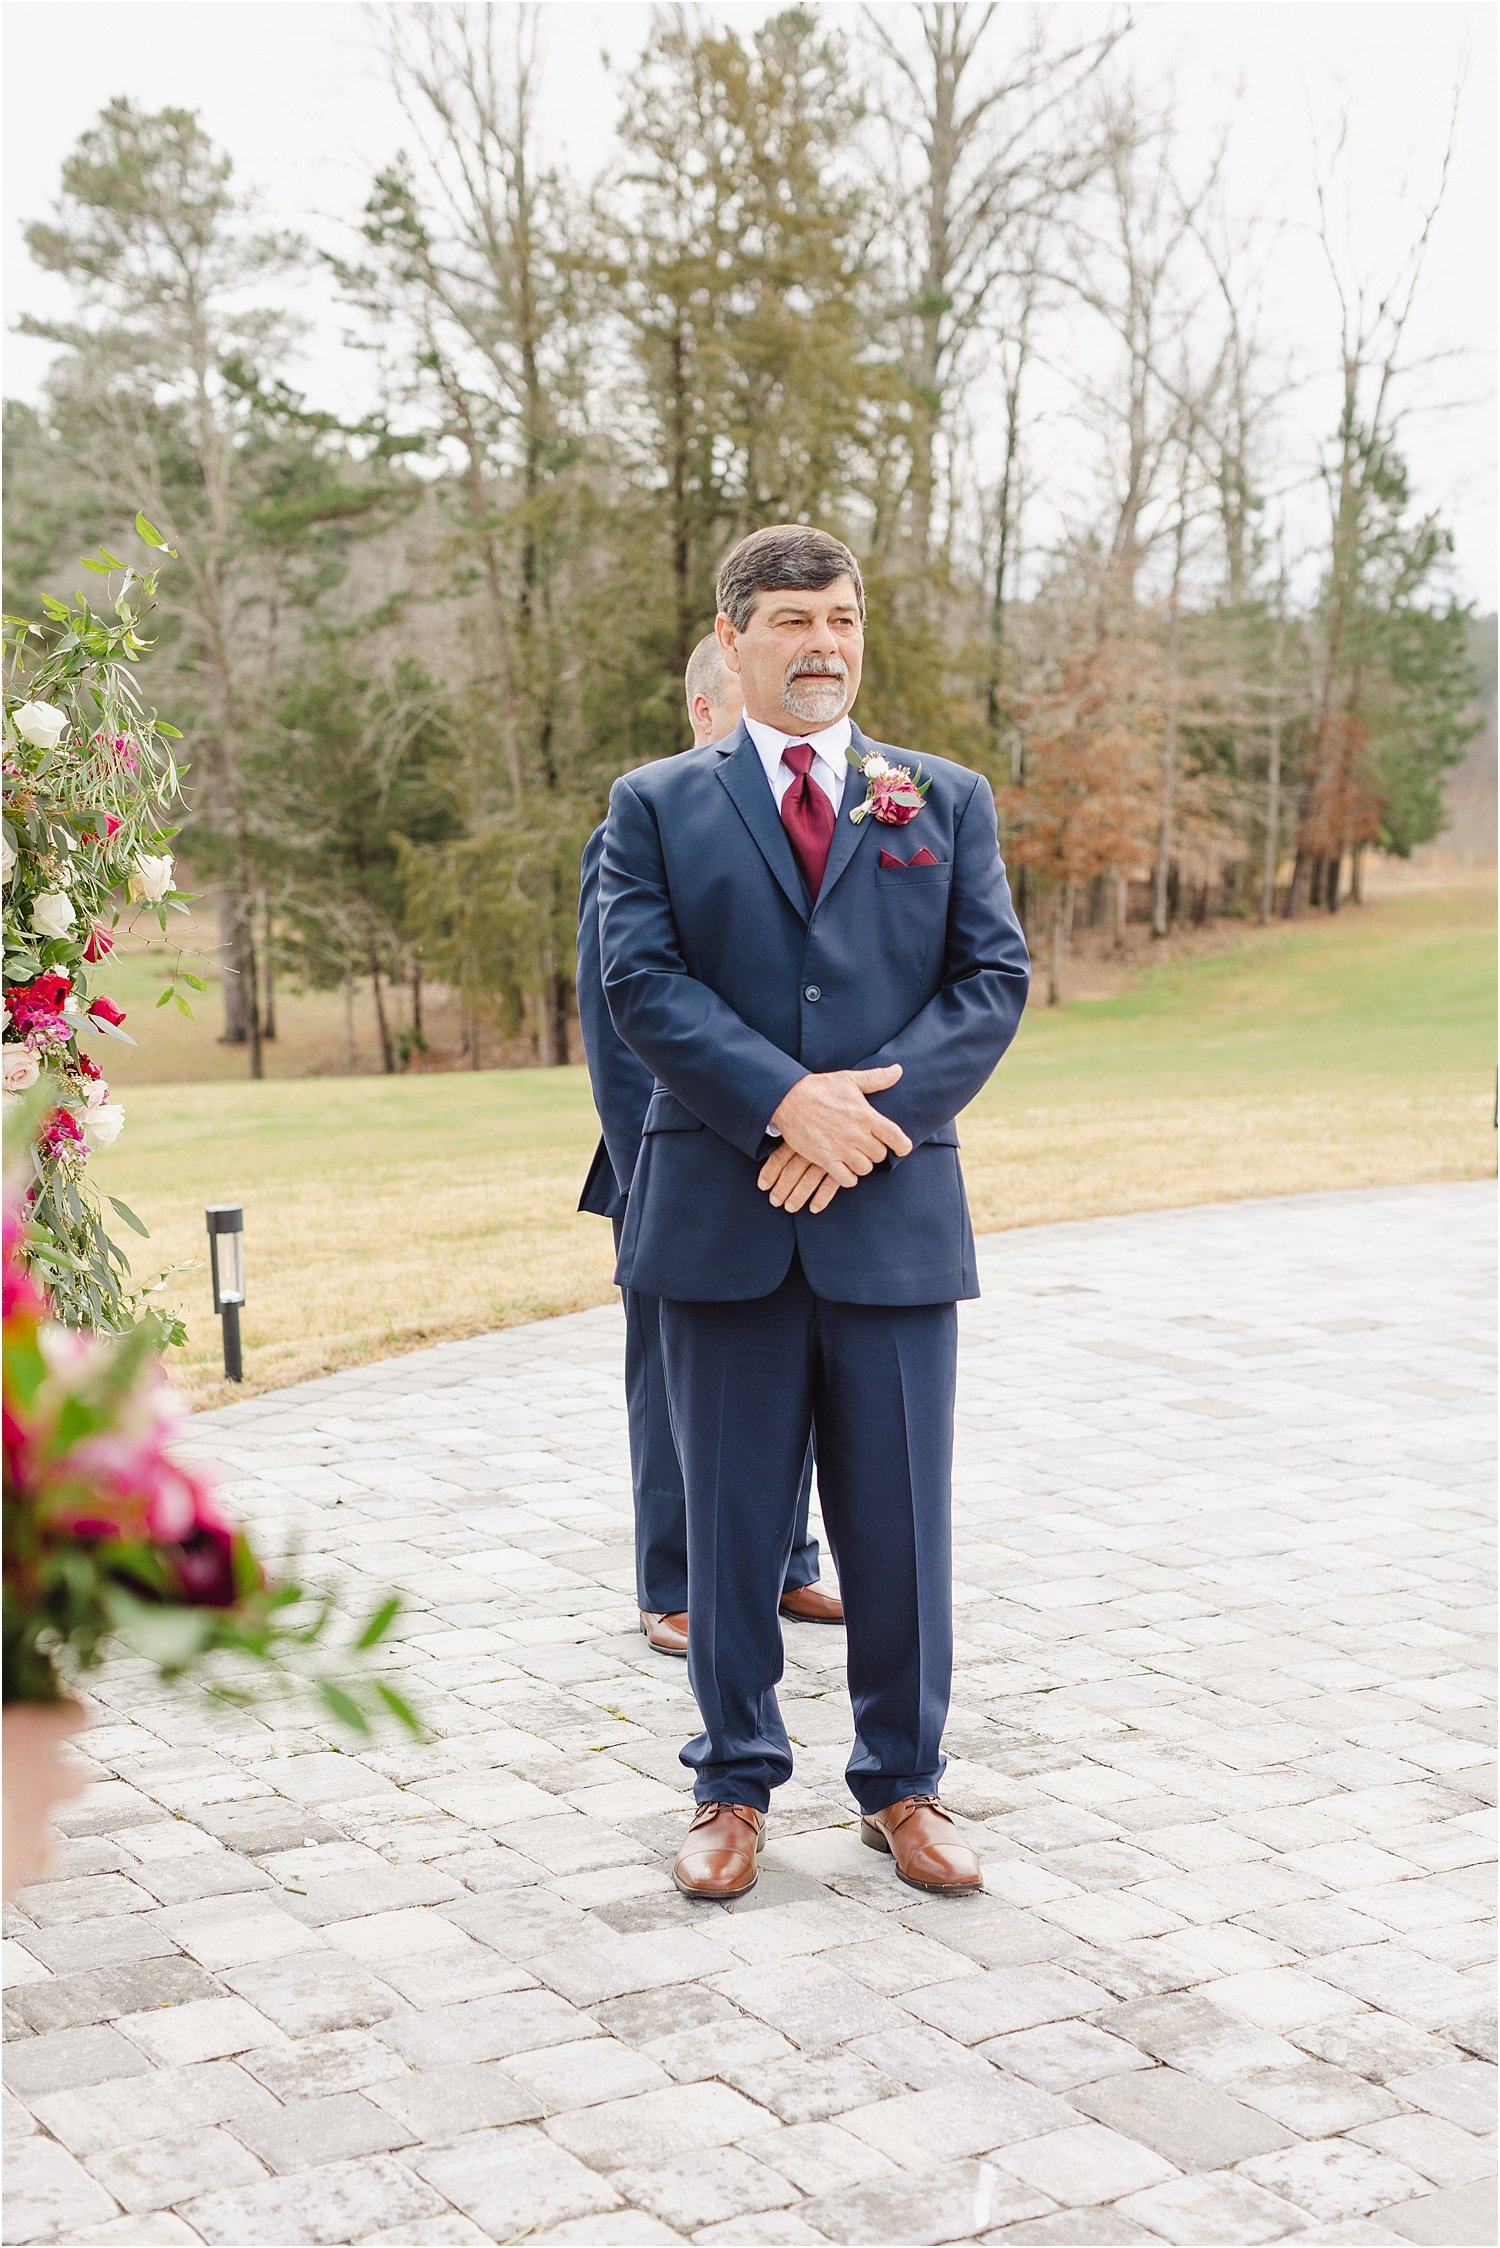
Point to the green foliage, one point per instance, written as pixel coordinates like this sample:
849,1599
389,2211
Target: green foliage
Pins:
88,799
109,1536
413,651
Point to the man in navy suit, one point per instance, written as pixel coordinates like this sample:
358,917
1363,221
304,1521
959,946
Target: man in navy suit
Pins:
821,968
622,1092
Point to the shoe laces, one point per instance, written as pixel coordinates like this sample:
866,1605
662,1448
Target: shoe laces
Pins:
741,1811
911,1803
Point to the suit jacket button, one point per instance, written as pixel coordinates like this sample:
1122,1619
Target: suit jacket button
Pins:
813,991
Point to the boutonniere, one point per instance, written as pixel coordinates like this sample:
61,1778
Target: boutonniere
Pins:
896,793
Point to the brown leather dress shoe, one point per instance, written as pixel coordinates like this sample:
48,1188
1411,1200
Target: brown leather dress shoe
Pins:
716,1860
929,1852
667,1634
810,1604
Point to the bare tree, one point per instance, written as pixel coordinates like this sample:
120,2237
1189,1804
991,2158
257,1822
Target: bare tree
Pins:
472,262
1374,309
975,128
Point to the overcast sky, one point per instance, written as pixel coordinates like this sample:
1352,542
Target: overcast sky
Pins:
295,91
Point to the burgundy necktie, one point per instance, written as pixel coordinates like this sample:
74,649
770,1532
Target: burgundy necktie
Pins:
807,815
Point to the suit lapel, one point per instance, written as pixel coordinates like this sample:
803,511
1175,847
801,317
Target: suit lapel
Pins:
744,776
847,835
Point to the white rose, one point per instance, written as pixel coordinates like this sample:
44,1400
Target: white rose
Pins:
19,1068
51,913
151,878
102,1125
95,1093
875,767
7,857
41,724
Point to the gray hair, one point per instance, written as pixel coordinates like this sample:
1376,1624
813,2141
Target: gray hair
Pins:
705,674
783,558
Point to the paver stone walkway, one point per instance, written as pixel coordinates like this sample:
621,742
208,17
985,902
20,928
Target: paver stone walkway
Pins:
1220,1732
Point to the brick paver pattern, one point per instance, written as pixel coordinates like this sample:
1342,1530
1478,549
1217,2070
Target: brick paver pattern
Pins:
1221,1508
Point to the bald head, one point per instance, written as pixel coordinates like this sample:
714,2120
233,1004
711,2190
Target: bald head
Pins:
714,701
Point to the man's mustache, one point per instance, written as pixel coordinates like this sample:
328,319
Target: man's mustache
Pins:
804,669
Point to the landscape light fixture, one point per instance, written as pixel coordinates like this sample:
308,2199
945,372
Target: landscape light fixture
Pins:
226,1253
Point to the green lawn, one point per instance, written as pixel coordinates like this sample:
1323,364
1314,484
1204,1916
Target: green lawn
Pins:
384,1213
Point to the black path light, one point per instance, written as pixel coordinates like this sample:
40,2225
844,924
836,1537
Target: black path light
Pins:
226,1252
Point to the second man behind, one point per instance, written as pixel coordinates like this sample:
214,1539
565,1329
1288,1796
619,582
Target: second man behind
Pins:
622,1089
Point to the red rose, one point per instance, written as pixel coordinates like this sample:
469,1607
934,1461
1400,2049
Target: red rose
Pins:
86,1066
106,1009
100,942
111,824
40,1001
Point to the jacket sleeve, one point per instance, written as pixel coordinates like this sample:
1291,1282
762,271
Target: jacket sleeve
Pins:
691,1039
949,1050
621,1085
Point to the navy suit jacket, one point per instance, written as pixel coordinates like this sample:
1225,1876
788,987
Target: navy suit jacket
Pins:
622,1086
730,985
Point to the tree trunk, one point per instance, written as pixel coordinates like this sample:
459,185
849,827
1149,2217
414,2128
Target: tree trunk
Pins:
1004,563
1357,875
1271,857
351,1050
231,976
1331,886
416,1002
1169,723
1272,853
1121,911
681,542
268,982
372,955
1062,930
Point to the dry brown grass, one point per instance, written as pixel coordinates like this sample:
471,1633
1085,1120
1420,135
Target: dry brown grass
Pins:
383,1214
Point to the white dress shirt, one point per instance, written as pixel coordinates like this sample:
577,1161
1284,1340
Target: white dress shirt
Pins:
829,765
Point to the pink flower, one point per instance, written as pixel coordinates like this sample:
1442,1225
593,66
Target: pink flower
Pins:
896,794
890,800
62,1138
37,1003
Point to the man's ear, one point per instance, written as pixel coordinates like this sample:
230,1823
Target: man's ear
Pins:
728,643
703,717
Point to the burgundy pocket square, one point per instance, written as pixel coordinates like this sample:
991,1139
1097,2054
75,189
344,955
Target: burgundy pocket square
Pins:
924,857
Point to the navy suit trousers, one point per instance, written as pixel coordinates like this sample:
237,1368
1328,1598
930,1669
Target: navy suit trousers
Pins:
661,1578
750,1382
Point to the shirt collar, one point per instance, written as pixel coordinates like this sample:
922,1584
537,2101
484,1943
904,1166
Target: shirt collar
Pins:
830,742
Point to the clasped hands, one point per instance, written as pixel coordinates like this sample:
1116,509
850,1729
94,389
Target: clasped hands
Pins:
830,1137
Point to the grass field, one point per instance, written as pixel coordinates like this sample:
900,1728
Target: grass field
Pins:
384,1213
